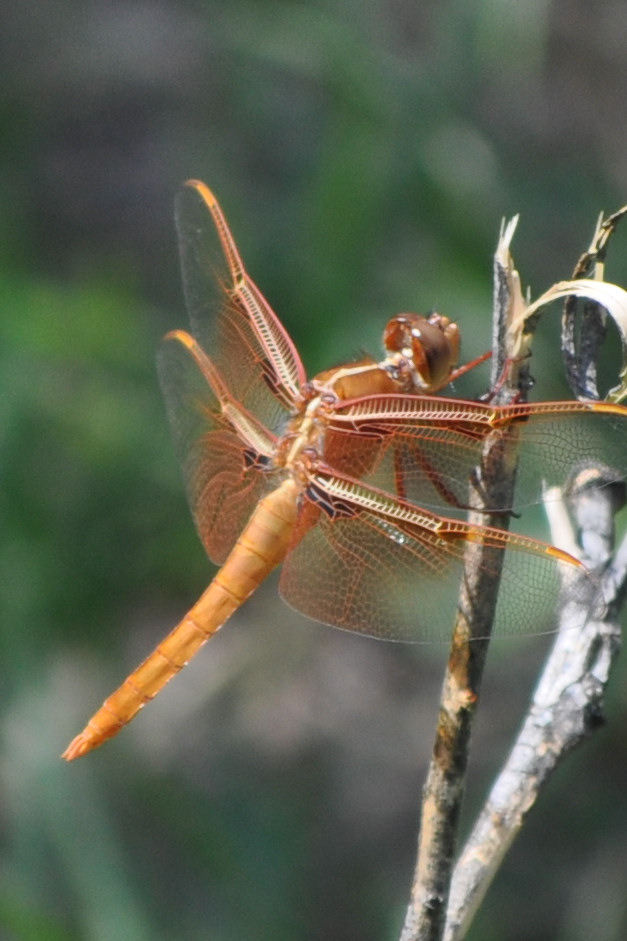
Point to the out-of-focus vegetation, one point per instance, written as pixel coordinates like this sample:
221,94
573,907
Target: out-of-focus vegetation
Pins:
365,154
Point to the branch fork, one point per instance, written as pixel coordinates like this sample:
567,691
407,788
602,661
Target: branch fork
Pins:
568,703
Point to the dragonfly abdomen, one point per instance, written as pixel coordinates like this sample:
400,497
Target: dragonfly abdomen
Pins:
260,548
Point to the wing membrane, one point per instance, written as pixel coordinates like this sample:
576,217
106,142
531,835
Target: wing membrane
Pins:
221,448
230,317
382,567
425,448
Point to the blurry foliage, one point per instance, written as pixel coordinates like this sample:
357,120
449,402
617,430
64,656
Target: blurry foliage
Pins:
364,154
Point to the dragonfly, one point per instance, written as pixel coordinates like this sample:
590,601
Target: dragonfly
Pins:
355,481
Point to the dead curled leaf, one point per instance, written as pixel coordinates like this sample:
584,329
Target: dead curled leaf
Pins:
523,314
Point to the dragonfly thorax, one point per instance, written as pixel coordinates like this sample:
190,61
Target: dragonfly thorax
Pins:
352,381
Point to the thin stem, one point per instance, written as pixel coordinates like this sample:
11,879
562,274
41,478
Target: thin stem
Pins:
444,788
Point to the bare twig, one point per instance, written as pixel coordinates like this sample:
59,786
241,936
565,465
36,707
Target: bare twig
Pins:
567,705
444,787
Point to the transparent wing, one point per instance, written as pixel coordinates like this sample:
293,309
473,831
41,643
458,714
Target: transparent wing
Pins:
425,449
223,451
366,562
230,317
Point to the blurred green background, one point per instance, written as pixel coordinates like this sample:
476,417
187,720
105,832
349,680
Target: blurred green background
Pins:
365,154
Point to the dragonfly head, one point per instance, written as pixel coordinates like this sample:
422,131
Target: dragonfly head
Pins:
427,347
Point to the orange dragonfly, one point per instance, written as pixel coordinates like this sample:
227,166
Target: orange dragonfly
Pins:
356,480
